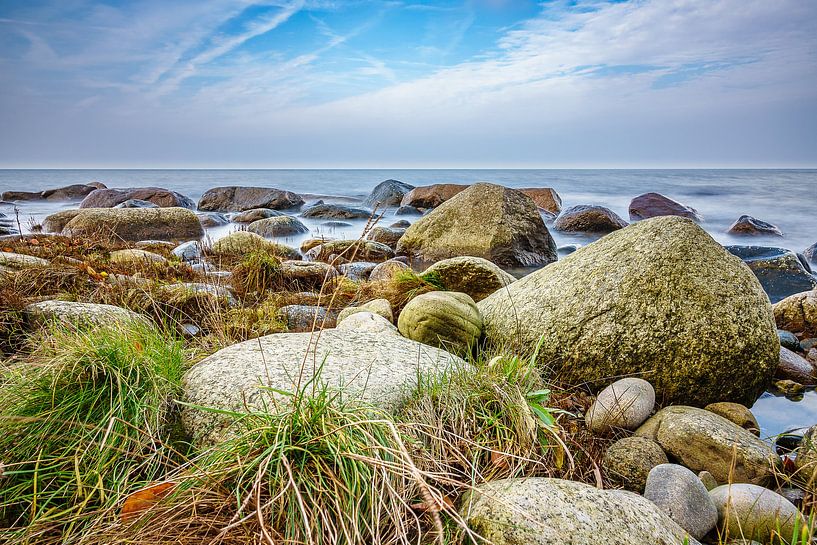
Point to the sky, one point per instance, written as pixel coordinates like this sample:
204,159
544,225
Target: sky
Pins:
408,84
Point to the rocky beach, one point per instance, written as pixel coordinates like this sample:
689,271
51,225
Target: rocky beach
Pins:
449,362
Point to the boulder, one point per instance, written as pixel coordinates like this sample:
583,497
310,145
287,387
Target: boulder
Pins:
680,494
367,321
305,274
386,235
780,271
279,226
359,271
372,367
544,511
431,196
612,308
56,222
794,367
366,250
475,276
132,257
134,224
212,219
136,203
651,205
628,461
445,319
79,314
12,260
486,220
381,307
798,313
702,440
752,512
301,318
749,226
243,242
256,214
624,405
73,192
737,413
108,198
588,219
388,193
388,270
336,211
545,198
408,211
238,198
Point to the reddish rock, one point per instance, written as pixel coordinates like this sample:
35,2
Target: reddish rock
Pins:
589,219
545,198
650,205
74,192
794,367
239,199
431,196
163,198
747,225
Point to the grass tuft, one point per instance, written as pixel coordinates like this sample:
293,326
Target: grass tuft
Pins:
256,273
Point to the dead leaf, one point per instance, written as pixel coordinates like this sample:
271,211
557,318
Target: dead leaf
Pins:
499,460
142,500
34,242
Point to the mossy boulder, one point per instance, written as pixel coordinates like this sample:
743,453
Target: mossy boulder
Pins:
659,299
445,319
486,220
242,242
475,276
134,224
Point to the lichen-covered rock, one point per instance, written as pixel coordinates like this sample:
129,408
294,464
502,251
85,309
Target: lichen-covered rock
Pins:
54,223
386,235
753,512
79,314
238,198
628,461
133,257
747,225
680,494
545,198
613,308
431,196
652,205
306,274
372,367
475,276
387,270
388,193
381,307
164,198
351,250
779,271
543,511
702,440
486,220
255,214
624,405
244,242
278,226
134,224
445,319
12,260
798,313
301,318
737,413
588,219
336,211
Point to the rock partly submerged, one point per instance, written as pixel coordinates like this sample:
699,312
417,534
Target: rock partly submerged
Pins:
388,193
780,271
431,196
164,198
652,205
241,198
659,299
588,219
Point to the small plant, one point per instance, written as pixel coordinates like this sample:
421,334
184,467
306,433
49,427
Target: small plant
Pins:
256,273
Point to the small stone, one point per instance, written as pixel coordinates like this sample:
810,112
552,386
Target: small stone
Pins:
188,251
387,270
278,226
381,307
736,413
747,225
368,321
794,367
754,512
358,271
302,318
190,330
790,388
628,461
256,214
588,219
788,339
133,257
625,404
680,493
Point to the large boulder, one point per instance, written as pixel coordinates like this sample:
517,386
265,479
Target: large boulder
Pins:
545,198
73,192
543,511
588,219
239,198
108,198
475,276
659,299
798,313
749,226
279,226
445,319
431,196
753,512
490,221
652,205
373,367
388,193
702,440
134,224
779,270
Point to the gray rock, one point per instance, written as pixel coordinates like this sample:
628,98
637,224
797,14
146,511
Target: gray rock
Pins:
212,219
680,494
788,340
279,226
408,211
256,214
377,368
475,276
302,318
749,226
753,512
336,211
164,198
358,271
381,307
794,367
188,251
367,321
628,461
54,223
588,219
543,511
702,440
136,203
779,271
810,254
387,270
21,261
237,198
386,235
400,224
388,193
623,405
305,274
79,314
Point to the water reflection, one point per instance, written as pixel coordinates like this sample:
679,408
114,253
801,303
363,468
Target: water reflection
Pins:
776,414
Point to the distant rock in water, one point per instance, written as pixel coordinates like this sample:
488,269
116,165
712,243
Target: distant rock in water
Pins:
256,214
747,225
241,198
545,198
431,196
336,211
388,193
780,271
588,219
212,219
74,192
490,221
612,309
651,205
164,198
280,226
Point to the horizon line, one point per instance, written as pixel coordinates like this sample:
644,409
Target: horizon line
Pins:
404,167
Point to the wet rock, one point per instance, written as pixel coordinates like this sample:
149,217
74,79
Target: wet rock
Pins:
651,205
336,211
753,512
256,214
794,367
301,318
543,511
243,242
212,219
747,225
388,270
135,258
336,224
566,250
137,203
358,271
388,193
737,413
279,226
680,494
475,276
486,220
134,224
73,192
780,272
400,224
408,211
164,198
240,198
611,309
305,274
545,198
386,235
798,313
788,339
381,307
588,219
628,461
810,254
365,250
790,388
431,196
702,440
79,314
623,405
445,319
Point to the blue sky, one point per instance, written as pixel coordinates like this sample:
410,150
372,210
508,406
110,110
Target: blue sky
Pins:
402,83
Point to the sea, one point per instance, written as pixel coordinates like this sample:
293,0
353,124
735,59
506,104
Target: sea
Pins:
786,198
